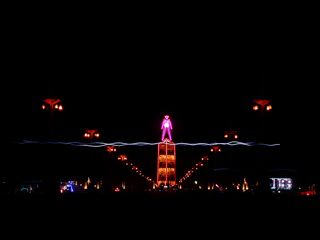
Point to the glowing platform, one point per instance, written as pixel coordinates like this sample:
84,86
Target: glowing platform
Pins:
166,167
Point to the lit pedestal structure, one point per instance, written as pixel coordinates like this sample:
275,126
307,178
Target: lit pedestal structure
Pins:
166,167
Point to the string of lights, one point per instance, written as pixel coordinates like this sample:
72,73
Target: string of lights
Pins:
138,171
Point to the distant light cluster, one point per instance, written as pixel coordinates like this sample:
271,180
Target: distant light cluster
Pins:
122,144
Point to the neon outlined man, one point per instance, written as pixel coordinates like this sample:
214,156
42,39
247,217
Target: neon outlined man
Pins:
166,127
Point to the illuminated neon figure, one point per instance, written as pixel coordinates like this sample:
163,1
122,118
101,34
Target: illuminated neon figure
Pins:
166,167
166,127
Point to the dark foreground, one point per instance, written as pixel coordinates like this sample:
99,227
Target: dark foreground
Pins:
183,213
188,201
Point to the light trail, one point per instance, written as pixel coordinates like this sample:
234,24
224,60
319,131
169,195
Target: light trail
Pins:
122,144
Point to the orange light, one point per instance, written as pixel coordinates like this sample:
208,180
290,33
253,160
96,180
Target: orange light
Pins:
60,107
236,136
86,135
219,150
269,107
56,106
226,136
255,107
211,149
43,106
97,135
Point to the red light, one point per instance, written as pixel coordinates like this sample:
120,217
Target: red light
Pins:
86,135
269,107
60,107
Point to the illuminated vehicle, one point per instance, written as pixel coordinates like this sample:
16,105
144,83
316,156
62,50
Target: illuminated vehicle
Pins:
31,186
308,193
69,187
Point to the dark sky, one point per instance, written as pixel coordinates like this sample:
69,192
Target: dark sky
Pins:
122,79
125,80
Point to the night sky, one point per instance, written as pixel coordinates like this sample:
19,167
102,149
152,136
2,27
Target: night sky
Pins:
130,108
122,79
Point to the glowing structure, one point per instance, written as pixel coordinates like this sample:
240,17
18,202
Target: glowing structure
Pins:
245,186
281,184
51,105
262,104
166,127
91,133
166,167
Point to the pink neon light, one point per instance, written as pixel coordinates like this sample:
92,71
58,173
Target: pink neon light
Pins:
166,127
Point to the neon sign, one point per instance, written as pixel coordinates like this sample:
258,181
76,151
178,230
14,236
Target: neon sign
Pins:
281,183
166,127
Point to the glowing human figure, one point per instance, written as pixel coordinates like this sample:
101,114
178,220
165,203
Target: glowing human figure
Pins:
166,127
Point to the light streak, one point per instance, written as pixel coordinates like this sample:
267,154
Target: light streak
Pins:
140,144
